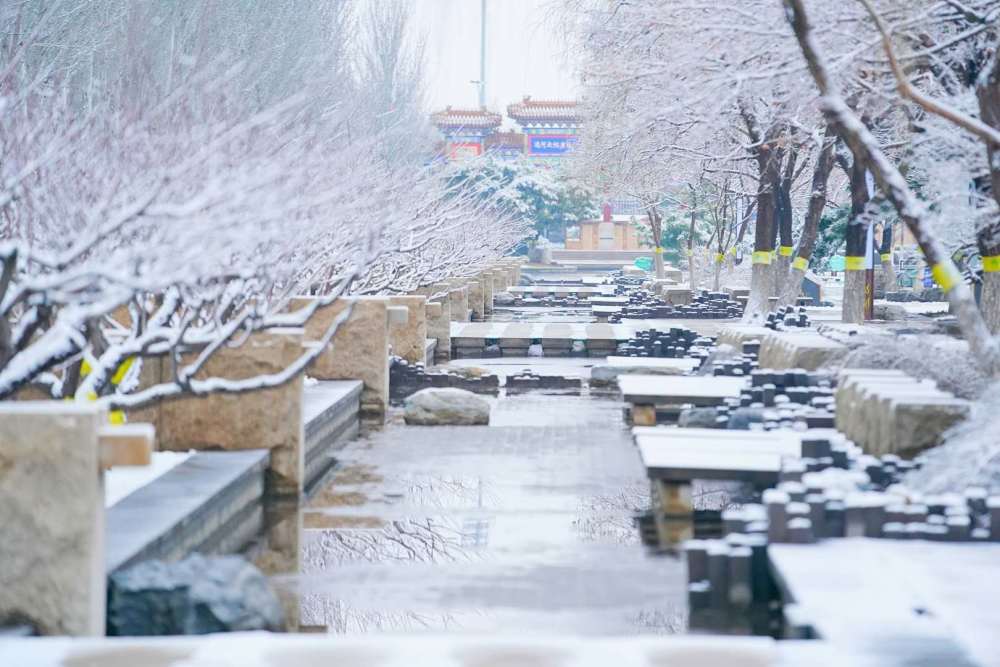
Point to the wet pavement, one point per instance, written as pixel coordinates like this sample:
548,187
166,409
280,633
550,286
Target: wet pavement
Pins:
521,527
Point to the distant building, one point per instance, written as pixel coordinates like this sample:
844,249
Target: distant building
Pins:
465,130
550,127
505,144
612,232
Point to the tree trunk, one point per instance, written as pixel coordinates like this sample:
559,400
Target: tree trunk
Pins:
892,184
656,228
810,227
761,274
692,278
885,256
988,237
857,236
783,211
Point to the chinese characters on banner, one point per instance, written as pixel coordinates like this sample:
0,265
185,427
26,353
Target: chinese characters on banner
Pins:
550,144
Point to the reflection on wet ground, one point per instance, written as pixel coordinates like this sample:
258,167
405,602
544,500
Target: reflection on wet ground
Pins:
524,526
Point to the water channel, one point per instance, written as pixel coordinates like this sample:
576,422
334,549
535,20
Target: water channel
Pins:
526,526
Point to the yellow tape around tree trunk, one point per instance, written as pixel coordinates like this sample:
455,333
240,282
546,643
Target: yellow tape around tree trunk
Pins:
991,264
719,257
946,275
886,257
786,250
800,263
854,263
761,257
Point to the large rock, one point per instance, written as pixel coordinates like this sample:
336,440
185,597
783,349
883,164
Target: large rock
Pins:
195,596
699,418
440,407
503,299
740,419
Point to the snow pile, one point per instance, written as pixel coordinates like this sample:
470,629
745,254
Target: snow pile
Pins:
970,455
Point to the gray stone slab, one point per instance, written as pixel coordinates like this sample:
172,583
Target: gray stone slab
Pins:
674,390
462,332
683,463
327,395
653,362
578,290
185,508
891,598
331,416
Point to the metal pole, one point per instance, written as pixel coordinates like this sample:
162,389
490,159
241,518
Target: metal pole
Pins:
482,54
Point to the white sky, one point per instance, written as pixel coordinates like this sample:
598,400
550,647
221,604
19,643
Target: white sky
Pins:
525,55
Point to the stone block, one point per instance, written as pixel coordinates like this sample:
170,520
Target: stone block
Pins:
477,299
487,279
794,349
408,340
677,296
264,419
52,531
889,412
458,296
358,351
439,327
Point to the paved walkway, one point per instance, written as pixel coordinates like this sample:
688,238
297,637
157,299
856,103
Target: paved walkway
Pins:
522,527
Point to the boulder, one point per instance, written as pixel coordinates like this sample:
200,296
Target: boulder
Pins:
441,407
698,418
900,295
195,596
741,418
503,299
932,294
889,312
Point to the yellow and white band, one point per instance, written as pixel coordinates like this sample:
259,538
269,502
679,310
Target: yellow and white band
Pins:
854,263
800,263
786,250
886,257
946,275
761,257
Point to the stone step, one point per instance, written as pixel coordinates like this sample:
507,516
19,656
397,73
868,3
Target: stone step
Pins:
210,503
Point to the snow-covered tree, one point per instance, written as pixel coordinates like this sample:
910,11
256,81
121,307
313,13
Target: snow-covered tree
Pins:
170,206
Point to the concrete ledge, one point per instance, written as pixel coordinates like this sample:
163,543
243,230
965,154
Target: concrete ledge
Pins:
331,415
369,650
798,349
737,334
889,412
207,503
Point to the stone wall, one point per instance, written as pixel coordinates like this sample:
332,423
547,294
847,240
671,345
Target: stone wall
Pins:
439,327
358,351
52,530
798,349
408,339
477,298
889,412
263,419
